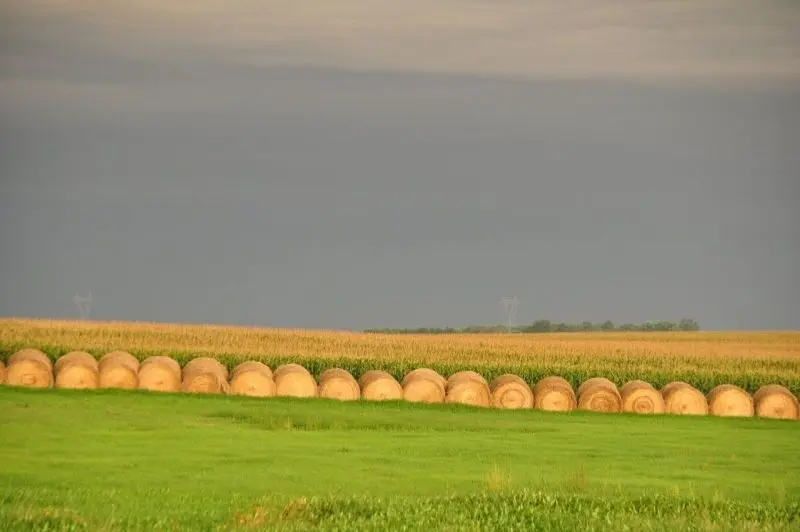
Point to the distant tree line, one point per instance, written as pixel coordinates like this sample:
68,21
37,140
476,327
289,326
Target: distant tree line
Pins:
546,326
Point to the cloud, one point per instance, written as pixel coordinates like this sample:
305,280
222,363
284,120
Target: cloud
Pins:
667,41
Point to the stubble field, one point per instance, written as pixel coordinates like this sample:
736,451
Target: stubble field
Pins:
137,460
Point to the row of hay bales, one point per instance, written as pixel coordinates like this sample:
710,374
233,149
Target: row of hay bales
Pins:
118,369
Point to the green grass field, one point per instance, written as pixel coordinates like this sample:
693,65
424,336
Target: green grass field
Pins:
106,460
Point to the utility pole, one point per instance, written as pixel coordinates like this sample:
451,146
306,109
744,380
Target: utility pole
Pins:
84,305
510,304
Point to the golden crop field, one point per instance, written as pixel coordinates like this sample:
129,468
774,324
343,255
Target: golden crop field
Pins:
703,358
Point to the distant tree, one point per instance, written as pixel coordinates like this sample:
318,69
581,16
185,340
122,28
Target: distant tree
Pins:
687,324
660,325
545,326
541,326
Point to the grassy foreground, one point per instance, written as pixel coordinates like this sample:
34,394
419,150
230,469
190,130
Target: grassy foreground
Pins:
107,460
703,359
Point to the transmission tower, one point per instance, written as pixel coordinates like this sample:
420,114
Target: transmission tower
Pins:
510,304
84,304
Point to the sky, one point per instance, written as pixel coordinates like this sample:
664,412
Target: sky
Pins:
351,165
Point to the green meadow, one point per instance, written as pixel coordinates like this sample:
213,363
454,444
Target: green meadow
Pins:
112,460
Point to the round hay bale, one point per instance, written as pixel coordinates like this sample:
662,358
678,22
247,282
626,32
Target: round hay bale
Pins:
468,391
206,365
254,381
78,375
727,400
674,385
554,394
74,357
284,368
2,372
119,376
29,373
30,353
684,399
374,374
337,383
465,375
115,358
379,385
252,365
204,378
167,362
293,380
421,388
511,392
159,375
599,395
777,402
594,381
641,398
424,372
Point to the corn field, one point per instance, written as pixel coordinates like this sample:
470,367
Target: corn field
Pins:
702,359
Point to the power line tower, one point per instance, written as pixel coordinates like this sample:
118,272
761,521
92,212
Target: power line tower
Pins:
510,304
84,304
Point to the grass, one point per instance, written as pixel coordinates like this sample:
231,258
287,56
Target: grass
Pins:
105,460
704,359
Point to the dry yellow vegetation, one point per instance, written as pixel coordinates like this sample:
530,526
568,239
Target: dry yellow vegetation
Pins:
748,359
477,348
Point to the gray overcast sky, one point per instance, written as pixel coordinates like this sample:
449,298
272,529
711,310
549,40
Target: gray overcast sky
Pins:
361,164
